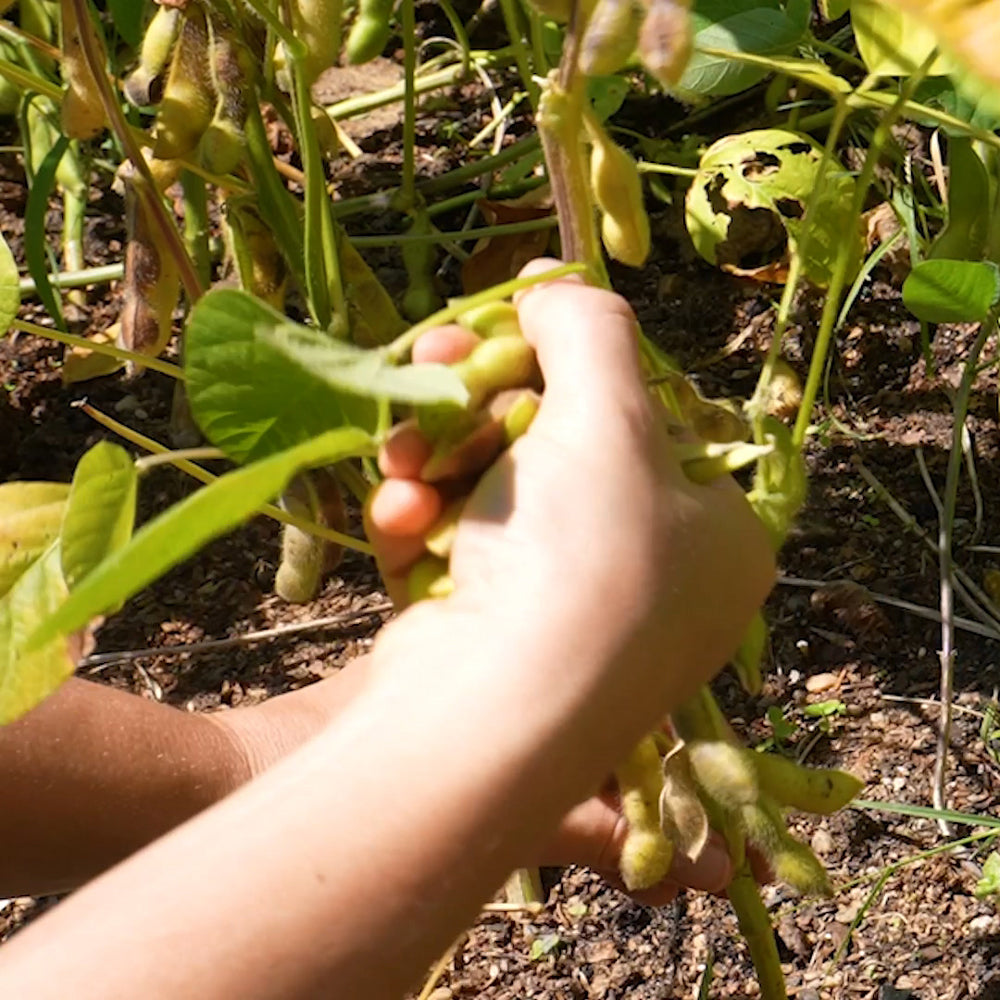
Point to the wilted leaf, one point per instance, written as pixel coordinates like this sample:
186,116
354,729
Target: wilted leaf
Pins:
745,209
30,517
183,529
682,815
496,259
81,365
10,288
28,677
100,512
952,291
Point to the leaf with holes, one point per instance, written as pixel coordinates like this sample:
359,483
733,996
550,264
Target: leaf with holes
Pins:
746,207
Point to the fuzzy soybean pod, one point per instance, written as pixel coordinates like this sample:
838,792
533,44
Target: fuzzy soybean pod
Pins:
647,854
316,23
610,37
152,280
506,362
82,110
143,87
822,791
421,297
370,32
189,96
666,39
617,189
723,772
223,144
305,557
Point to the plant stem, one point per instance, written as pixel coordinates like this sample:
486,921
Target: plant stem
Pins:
838,279
522,54
76,279
196,224
164,367
508,229
204,476
946,526
407,189
755,926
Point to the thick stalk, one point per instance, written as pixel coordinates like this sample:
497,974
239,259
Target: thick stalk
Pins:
196,224
74,210
755,926
946,565
560,126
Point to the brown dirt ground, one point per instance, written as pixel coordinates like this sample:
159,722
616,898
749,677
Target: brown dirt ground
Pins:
922,934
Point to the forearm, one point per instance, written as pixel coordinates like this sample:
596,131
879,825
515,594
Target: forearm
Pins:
346,868
94,774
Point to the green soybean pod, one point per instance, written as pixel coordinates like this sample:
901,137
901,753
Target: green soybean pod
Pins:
617,189
610,37
370,32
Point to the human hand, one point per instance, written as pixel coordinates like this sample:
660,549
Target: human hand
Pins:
584,540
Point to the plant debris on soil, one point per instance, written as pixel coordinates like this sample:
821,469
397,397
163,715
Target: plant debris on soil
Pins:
901,925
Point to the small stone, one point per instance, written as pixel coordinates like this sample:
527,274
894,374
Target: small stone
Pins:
822,842
877,720
820,682
127,404
793,675
140,414
982,924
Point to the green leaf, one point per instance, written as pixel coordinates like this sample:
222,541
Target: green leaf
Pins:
101,510
763,181
30,517
248,397
891,42
824,709
952,291
544,945
607,94
966,231
365,373
128,17
779,485
183,529
764,30
989,883
10,288
36,252
27,677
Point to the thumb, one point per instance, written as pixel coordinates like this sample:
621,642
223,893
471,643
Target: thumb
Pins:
585,339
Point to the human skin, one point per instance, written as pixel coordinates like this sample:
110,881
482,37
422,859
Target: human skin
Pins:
345,868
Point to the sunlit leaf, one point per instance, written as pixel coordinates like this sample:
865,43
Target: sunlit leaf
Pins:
26,678
952,291
258,383
766,29
183,529
779,485
989,883
891,42
30,517
100,512
10,289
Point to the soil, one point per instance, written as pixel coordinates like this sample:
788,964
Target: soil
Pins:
901,925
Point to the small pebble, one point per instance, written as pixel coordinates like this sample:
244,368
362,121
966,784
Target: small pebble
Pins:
127,404
822,842
820,682
141,414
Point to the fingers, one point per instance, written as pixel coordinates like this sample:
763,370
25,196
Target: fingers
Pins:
585,339
444,345
593,833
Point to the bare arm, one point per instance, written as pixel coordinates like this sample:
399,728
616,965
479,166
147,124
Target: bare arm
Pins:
93,774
